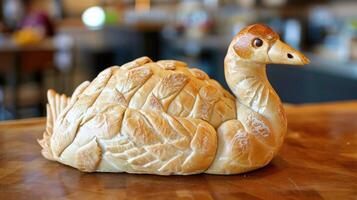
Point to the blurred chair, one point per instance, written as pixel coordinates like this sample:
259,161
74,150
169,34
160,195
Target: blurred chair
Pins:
20,64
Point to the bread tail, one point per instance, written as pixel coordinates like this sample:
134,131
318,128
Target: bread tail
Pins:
56,103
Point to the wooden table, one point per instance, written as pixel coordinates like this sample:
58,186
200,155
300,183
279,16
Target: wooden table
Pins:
317,161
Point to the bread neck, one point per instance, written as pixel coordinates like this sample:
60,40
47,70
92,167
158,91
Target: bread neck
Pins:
249,83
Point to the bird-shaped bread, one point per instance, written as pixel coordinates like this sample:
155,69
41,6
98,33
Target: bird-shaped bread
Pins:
167,118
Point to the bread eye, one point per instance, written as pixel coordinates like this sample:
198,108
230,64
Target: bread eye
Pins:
257,42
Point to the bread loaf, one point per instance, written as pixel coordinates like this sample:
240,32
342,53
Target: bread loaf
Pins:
168,118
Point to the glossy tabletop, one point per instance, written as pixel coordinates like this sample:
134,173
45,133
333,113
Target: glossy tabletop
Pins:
317,161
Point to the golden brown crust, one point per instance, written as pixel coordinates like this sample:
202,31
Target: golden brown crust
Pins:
154,142
245,37
103,130
252,139
56,104
87,157
199,74
244,144
136,63
171,64
100,118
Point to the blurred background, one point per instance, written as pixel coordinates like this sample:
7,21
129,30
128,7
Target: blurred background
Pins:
61,43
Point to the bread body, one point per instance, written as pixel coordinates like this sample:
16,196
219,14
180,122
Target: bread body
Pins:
142,117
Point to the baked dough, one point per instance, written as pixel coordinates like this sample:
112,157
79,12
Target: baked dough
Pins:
167,118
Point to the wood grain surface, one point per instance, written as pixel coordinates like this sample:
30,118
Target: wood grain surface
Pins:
317,161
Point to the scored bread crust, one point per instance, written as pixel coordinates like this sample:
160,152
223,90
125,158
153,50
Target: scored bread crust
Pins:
131,118
156,118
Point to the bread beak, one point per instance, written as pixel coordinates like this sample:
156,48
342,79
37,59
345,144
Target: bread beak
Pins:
281,53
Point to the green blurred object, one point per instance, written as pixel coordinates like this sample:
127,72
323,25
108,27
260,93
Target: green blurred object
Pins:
354,24
111,16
